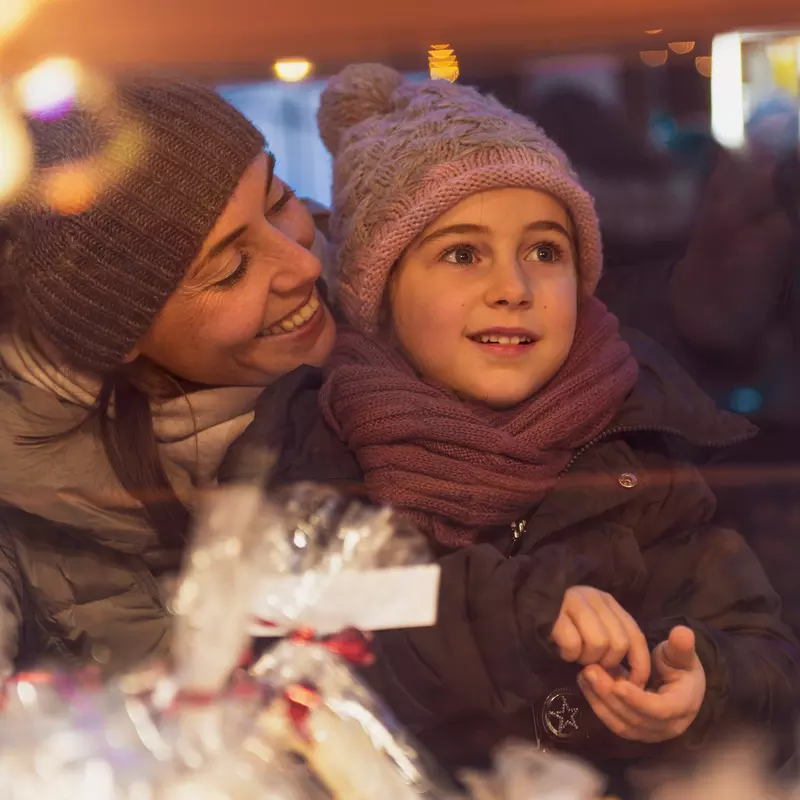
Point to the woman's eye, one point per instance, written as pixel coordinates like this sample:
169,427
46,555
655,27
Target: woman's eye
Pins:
237,274
547,253
460,254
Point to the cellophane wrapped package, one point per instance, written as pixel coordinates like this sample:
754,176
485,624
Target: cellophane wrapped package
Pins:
310,574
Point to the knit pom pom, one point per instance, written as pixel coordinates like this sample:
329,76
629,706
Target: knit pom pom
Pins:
357,93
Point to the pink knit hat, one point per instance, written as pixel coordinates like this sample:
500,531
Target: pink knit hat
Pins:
404,153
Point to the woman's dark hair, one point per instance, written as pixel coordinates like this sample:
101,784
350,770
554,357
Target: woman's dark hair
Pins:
127,433
130,444
123,418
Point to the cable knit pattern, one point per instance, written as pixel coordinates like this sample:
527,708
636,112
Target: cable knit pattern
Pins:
404,153
453,466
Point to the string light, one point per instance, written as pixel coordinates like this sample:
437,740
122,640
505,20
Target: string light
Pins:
292,70
50,89
703,65
15,152
442,63
681,48
654,58
12,14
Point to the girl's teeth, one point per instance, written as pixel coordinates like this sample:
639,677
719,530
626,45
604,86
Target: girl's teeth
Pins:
491,339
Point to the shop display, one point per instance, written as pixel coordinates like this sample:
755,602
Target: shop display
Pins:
296,722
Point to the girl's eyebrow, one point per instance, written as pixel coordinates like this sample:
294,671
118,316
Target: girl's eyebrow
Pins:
540,225
451,229
549,225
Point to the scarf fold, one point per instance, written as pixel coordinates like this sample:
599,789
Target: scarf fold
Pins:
454,466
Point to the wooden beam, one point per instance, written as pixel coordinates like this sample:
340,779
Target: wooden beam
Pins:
224,39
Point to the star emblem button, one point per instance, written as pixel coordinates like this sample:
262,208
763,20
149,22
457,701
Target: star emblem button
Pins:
560,717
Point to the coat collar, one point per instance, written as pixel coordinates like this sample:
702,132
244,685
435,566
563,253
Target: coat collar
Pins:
666,399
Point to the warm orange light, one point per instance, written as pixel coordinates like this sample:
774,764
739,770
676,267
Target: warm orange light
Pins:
703,65
783,59
292,70
654,58
71,189
13,13
50,87
681,48
15,152
654,31
442,63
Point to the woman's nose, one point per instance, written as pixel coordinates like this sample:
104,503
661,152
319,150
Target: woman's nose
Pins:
298,267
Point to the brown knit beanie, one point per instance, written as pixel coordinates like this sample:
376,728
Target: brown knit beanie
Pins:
162,159
404,153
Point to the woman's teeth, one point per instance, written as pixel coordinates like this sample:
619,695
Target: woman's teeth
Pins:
492,339
297,320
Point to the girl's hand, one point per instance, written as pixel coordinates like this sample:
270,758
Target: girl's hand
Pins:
651,716
593,628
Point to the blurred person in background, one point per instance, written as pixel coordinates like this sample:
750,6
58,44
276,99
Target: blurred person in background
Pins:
643,198
734,301
138,328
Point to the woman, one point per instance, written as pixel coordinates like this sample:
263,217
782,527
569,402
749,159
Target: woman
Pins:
156,274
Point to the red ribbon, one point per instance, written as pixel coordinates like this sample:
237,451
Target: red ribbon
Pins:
350,643
302,698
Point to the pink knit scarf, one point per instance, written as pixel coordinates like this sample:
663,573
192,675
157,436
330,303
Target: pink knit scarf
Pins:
455,466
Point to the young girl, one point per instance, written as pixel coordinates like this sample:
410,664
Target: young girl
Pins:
482,391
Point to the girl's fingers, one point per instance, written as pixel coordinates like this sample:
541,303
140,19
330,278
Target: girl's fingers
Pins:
628,714
592,629
621,719
613,721
638,654
566,638
617,640
671,702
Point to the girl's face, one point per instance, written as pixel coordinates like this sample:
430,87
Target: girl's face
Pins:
485,300
247,311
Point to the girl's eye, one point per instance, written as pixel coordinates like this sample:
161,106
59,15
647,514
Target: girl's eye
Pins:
281,203
546,253
463,254
234,277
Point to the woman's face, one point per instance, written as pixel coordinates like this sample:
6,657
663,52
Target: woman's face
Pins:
247,311
485,300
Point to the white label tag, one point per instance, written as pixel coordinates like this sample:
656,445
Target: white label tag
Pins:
370,600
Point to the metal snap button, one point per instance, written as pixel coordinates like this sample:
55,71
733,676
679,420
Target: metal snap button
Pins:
628,480
561,714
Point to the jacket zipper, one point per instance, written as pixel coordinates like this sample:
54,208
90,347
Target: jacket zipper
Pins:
518,527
